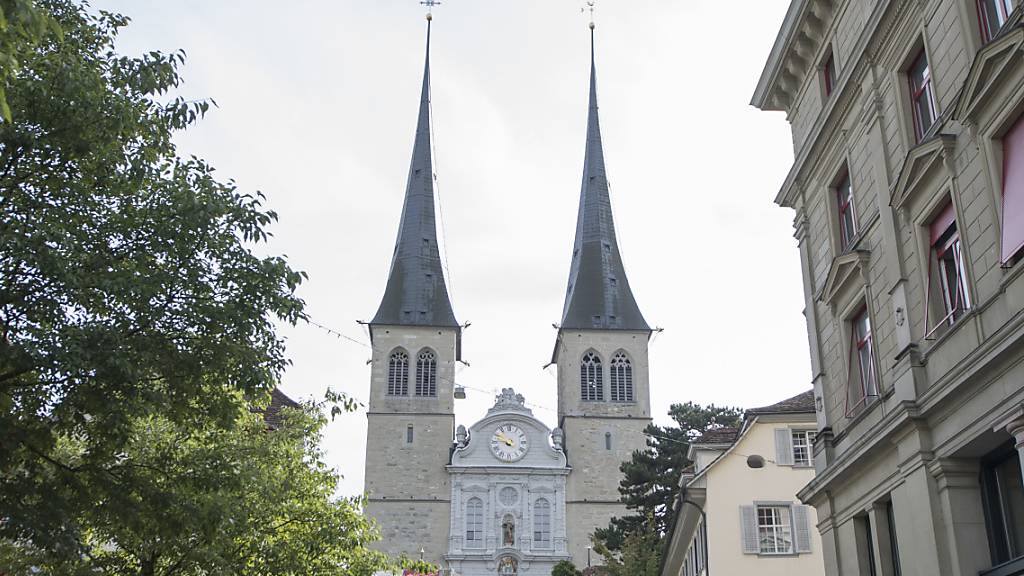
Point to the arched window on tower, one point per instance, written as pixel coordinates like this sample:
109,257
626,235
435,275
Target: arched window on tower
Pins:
591,378
542,523
474,523
426,374
622,378
398,374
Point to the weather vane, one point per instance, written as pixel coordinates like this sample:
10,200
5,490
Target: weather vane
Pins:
590,7
430,6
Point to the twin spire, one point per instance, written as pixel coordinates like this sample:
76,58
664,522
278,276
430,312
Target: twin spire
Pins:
598,295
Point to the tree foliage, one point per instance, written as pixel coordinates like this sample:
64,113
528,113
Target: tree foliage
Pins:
565,568
240,500
651,478
639,555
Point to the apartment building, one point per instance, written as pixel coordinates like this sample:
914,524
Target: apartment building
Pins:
908,194
737,512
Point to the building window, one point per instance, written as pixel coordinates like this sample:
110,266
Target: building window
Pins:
922,96
868,554
947,266
803,447
474,522
1003,496
426,374
992,14
591,381
542,522
622,378
894,546
408,434
847,216
864,350
607,440
774,530
1013,192
398,374
828,73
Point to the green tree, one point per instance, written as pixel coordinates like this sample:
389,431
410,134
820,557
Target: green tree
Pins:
565,568
129,292
639,555
651,478
240,500
22,24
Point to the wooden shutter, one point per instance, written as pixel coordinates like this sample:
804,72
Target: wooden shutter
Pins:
802,529
748,530
1013,191
783,447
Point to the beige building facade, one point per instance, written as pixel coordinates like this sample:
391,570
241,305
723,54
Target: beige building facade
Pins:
737,512
908,194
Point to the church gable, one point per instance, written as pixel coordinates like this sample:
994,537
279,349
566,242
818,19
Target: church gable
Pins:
509,436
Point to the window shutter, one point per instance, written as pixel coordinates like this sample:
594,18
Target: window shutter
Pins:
748,529
1013,190
802,529
783,447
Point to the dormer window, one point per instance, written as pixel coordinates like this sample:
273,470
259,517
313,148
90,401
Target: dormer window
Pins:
992,14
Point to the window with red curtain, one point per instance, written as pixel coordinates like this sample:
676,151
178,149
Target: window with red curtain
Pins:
844,205
947,276
829,73
922,98
1013,191
992,14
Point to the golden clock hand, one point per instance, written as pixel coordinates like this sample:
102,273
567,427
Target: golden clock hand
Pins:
504,439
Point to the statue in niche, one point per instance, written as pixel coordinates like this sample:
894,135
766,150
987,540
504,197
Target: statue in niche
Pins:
508,532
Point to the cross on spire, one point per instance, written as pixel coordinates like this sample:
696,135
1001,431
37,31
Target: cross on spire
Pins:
430,6
590,7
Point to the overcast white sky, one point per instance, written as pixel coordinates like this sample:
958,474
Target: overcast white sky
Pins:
317,108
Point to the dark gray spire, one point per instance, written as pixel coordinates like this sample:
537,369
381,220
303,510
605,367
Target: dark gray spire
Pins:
598,295
416,294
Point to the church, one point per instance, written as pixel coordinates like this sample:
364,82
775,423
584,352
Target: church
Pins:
508,495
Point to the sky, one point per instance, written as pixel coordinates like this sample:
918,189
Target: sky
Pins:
316,108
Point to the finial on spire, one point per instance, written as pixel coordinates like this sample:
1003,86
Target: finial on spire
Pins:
430,7
590,6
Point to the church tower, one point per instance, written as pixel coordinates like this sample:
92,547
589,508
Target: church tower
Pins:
416,342
601,355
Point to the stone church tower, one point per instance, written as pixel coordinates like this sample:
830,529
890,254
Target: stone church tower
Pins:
601,355
416,342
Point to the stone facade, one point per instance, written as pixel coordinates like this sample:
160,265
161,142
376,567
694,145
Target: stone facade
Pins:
599,436
904,459
411,515
508,491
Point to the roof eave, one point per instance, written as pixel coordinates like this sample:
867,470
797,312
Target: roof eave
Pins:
783,41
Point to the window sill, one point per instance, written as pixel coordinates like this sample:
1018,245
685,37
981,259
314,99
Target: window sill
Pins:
936,342
777,554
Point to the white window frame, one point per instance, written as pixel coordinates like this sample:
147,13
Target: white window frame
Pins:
808,435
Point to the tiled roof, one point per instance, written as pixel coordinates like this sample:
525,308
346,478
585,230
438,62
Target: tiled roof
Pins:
272,414
724,435
800,403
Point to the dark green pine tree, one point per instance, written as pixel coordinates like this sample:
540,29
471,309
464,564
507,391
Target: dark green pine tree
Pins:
651,478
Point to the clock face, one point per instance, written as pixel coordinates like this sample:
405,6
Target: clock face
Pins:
509,443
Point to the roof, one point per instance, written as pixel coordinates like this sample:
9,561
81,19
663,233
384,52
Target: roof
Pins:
801,403
272,413
416,293
598,294
724,435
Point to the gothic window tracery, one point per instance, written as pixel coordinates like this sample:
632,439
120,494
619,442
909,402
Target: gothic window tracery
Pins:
621,378
398,374
591,378
426,374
